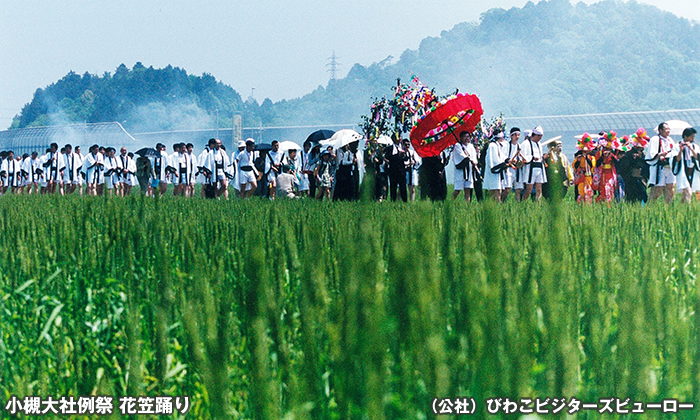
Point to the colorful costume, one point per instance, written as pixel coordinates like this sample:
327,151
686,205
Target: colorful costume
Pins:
583,169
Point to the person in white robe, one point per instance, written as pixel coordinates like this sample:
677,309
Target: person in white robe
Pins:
31,169
113,170
247,173
182,167
413,163
533,171
13,172
128,171
234,163
513,175
160,165
305,169
465,160
72,163
172,164
659,153
53,166
43,159
201,161
93,167
81,178
686,167
273,166
193,162
216,164
3,173
495,167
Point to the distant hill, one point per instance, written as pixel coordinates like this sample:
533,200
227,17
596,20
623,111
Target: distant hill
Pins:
142,99
547,58
542,59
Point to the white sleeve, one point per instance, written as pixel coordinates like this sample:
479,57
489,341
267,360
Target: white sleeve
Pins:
458,154
526,150
675,150
268,167
652,150
492,156
418,160
473,155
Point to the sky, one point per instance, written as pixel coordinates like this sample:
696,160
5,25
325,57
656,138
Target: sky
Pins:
279,48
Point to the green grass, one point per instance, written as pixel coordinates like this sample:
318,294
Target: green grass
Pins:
313,310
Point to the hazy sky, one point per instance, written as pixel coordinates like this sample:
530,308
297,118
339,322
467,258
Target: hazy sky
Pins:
280,48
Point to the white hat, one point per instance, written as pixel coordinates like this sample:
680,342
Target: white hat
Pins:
528,133
499,135
241,143
538,131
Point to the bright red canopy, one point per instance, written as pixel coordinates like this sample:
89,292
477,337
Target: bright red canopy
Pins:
439,128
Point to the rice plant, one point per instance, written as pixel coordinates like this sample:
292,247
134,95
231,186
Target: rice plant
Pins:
308,310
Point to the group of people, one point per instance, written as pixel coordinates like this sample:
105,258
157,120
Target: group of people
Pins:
308,171
67,170
504,166
605,168
624,169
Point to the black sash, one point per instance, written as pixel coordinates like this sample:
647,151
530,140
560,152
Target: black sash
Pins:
183,173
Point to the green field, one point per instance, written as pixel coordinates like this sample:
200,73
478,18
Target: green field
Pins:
347,310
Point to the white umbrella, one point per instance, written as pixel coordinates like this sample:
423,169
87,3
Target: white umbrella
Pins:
384,139
551,140
342,138
289,145
676,126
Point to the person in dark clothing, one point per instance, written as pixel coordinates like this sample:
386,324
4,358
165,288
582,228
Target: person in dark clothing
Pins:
394,156
432,178
634,170
355,173
344,176
379,166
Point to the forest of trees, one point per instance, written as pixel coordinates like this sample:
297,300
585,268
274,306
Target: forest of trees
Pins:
542,59
142,99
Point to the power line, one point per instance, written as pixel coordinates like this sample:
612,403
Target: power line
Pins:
333,66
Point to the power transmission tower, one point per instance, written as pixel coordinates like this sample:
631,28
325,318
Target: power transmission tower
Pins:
333,66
